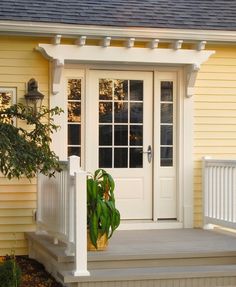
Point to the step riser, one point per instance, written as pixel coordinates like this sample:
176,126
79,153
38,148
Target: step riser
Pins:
161,263
195,282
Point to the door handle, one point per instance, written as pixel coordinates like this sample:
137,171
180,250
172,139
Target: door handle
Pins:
149,153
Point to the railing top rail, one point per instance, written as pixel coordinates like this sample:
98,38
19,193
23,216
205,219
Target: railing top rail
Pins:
219,162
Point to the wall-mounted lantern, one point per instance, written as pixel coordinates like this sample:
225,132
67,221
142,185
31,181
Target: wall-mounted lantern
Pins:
33,97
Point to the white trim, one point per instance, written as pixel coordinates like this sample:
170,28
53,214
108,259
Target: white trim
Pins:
116,55
68,30
187,159
149,225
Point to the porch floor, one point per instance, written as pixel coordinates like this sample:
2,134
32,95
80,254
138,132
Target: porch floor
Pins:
156,255
174,242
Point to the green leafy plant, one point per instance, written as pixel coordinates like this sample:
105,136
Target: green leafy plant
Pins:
24,152
10,273
102,215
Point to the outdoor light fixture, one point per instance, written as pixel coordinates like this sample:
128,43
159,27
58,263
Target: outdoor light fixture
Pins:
33,97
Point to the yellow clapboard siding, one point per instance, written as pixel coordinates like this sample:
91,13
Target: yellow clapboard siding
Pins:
215,143
214,135
24,78
16,220
14,181
212,113
17,188
215,76
12,236
17,204
215,150
214,106
215,120
214,98
22,196
214,128
19,63
222,61
217,69
16,212
17,251
17,228
13,244
36,71
215,91
215,84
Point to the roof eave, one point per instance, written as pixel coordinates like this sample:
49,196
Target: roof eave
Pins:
67,30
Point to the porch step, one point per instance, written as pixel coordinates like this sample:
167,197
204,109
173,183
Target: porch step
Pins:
155,273
116,257
162,255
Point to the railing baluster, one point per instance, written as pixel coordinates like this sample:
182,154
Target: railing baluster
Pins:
219,192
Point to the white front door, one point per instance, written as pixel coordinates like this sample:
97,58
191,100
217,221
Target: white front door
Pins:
128,126
120,121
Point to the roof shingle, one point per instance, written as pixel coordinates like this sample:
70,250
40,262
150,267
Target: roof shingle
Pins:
181,14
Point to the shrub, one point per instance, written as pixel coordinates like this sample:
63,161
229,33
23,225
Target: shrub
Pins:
10,273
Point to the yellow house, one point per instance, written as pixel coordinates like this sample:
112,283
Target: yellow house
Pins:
148,89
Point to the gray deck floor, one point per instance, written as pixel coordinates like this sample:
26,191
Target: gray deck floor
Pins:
173,242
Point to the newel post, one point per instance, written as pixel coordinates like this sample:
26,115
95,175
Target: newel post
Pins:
80,217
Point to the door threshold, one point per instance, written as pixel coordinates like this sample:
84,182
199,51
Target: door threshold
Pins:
149,224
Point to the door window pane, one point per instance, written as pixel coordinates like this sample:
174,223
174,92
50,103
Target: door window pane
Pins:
136,112
105,112
74,151
74,89
121,157
74,134
136,158
166,91
121,135
166,135
121,112
166,156
166,113
136,90
120,90
74,112
105,135
105,157
105,89
136,135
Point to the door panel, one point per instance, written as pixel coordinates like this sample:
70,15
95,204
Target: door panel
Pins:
120,118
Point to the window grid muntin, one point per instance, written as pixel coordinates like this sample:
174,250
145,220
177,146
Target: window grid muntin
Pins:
113,123
76,147
169,102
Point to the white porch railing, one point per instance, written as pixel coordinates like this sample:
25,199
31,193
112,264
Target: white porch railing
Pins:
219,191
62,210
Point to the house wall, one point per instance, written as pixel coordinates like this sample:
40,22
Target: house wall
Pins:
18,63
214,115
214,127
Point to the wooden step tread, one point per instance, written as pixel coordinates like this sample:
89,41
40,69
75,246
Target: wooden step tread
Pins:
156,273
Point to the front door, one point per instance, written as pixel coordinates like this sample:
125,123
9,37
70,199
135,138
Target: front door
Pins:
121,128
126,122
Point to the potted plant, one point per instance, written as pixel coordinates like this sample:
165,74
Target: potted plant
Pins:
102,216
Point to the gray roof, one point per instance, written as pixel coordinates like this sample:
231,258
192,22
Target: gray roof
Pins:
186,14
